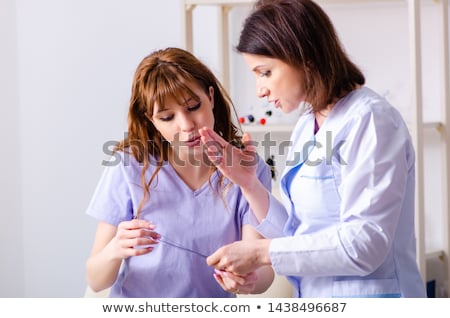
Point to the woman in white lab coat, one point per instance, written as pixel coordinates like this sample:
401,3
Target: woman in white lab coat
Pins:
346,225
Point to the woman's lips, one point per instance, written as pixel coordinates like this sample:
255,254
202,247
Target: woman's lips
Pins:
276,103
193,142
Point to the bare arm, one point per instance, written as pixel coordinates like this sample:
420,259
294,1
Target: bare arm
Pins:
112,245
265,273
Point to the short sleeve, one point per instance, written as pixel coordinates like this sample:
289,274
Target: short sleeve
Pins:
111,201
264,174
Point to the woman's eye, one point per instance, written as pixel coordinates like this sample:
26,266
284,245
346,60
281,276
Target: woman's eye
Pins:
265,74
166,118
194,108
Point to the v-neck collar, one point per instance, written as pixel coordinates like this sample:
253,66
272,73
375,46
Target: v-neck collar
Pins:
187,188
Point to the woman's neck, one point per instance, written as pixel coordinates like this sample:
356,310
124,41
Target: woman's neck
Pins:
322,115
193,171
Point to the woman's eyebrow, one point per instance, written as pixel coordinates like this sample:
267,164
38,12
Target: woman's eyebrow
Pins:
160,110
187,101
257,67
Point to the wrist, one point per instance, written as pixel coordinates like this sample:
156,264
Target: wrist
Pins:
252,186
263,252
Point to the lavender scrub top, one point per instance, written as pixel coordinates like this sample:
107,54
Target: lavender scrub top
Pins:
197,221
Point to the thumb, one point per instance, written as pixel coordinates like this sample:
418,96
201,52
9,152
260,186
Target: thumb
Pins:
212,260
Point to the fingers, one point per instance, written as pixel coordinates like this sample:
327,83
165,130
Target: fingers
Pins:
241,280
137,251
217,260
136,237
215,145
131,230
251,277
234,283
224,155
221,259
136,224
210,138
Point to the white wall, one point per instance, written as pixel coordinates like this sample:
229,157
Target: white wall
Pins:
75,65
11,239
65,79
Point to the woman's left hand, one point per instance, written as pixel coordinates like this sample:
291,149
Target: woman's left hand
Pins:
234,283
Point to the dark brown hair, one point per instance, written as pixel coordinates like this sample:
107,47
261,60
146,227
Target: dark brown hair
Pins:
162,75
300,33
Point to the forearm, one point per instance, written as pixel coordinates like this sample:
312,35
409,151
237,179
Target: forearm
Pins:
258,199
102,270
265,272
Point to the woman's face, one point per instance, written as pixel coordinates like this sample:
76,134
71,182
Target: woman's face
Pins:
279,82
179,124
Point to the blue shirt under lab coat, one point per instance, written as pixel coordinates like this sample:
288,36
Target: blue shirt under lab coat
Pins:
346,228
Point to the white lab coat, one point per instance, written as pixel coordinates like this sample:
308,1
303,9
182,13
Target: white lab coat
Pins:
346,228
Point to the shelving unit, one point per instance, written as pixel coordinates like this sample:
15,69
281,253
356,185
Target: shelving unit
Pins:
444,130
263,128
417,126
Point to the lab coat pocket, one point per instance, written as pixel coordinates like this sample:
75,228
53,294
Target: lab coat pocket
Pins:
367,288
318,189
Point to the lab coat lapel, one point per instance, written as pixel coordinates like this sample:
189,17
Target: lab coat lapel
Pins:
302,139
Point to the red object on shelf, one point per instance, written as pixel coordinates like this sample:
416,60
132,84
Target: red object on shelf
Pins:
242,120
262,121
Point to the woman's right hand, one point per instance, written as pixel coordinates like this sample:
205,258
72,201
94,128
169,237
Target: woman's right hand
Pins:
238,165
133,238
113,244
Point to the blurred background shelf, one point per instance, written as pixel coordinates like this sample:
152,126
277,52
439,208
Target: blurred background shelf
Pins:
287,128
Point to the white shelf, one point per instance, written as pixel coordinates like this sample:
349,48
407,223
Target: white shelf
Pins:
438,126
218,2
268,128
250,2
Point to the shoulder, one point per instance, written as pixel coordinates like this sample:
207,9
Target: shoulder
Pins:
367,110
124,162
366,102
368,120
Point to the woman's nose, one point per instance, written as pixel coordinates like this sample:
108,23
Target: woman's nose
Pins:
262,92
186,123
